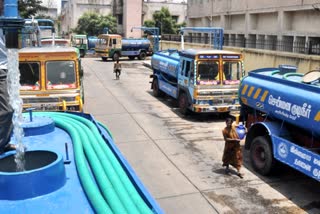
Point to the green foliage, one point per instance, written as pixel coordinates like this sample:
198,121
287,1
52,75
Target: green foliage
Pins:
163,20
149,23
42,16
178,26
92,24
29,8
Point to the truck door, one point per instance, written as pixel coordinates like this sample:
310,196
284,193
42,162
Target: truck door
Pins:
186,73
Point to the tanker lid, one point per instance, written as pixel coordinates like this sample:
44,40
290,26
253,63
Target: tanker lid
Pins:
284,69
311,76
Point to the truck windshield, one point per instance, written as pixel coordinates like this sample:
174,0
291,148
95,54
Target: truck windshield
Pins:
29,75
208,72
232,71
79,41
60,75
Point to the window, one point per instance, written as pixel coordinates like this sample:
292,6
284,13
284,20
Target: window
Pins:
183,65
60,74
208,71
187,68
175,18
120,18
29,75
232,70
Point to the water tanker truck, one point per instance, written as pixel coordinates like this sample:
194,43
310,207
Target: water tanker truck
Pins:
282,112
114,46
200,80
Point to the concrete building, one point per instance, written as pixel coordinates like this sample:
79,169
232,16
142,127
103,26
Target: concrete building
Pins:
259,23
129,13
72,10
177,8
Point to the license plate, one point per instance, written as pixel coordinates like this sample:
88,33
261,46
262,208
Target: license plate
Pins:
223,109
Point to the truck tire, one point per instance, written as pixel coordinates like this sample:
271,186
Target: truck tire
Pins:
183,103
104,58
82,53
131,57
142,56
261,156
115,56
155,89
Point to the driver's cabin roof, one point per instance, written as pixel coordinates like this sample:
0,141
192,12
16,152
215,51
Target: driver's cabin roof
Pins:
51,49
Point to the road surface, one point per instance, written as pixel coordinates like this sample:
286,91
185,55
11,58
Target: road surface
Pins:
178,158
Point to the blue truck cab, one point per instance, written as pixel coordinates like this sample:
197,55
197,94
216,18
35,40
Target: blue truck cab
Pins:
201,80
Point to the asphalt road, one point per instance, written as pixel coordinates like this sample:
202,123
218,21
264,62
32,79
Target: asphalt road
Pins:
178,158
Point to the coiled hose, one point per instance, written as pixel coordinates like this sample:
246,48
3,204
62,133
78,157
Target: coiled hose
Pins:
114,192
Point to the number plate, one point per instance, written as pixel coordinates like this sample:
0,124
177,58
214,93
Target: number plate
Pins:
223,109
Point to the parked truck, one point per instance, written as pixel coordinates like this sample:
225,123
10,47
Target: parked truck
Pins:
200,80
51,78
114,46
281,108
80,41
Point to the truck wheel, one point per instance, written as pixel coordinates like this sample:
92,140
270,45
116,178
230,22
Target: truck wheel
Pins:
82,53
155,89
104,58
183,103
142,56
115,57
261,156
131,57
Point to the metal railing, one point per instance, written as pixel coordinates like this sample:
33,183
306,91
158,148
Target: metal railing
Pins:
311,48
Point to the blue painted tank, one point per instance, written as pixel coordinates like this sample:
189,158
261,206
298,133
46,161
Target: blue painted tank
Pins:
92,41
283,95
72,166
166,61
135,44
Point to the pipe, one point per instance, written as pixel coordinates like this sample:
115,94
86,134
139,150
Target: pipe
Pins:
116,165
103,171
112,169
89,186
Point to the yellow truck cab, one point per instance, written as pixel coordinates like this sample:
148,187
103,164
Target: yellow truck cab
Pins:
51,78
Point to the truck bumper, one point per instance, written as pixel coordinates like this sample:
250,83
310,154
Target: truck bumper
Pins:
233,109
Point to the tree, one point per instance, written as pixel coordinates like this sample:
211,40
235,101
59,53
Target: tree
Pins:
93,24
149,23
29,8
164,21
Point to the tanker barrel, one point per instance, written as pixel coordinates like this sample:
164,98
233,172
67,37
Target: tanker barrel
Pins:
167,61
135,43
92,41
283,95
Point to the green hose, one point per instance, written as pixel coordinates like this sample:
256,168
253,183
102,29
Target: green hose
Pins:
107,189
106,128
89,186
143,208
109,183
116,187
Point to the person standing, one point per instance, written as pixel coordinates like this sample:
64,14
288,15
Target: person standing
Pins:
6,110
232,154
117,69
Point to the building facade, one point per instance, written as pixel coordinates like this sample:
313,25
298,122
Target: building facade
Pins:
129,13
177,8
263,23
72,10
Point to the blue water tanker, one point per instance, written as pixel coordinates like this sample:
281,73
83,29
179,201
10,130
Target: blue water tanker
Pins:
129,44
283,95
281,108
71,166
92,41
167,62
